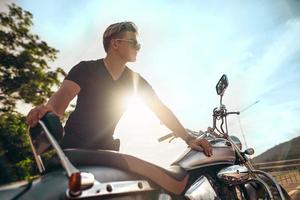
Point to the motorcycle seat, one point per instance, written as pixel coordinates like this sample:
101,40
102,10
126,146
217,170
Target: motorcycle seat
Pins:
173,179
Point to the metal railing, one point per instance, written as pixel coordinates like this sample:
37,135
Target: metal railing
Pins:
286,172
281,165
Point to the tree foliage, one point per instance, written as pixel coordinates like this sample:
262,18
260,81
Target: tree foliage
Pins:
24,69
25,77
15,157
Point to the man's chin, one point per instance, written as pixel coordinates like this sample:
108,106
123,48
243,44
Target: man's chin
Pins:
132,59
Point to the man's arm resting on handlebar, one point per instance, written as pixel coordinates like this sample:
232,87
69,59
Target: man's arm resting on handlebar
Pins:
171,121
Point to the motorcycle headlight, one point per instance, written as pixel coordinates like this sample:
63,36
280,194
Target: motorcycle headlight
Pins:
236,141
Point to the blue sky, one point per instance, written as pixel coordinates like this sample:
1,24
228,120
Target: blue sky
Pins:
186,47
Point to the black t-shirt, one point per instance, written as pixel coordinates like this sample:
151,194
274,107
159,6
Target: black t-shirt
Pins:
100,103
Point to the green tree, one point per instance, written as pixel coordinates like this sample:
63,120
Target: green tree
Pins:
15,157
25,77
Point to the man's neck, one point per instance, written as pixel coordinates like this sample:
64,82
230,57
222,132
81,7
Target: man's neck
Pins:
115,66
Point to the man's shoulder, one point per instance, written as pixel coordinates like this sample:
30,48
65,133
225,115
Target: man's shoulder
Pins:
134,73
89,62
139,78
86,66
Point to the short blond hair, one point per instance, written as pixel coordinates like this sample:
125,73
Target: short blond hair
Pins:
115,30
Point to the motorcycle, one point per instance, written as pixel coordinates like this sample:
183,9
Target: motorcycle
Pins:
102,174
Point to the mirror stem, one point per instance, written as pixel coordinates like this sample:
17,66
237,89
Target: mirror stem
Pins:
221,98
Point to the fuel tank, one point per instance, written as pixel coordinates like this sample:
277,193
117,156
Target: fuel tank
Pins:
223,153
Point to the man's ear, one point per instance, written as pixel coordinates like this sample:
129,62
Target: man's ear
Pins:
114,44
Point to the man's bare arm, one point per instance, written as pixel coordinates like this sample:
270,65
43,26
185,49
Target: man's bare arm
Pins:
57,104
171,121
167,117
61,99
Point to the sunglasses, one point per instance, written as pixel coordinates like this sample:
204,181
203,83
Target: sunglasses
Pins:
134,43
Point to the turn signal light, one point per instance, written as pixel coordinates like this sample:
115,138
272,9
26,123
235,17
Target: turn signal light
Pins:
249,151
75,184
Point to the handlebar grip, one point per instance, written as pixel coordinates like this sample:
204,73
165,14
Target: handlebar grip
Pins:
165,137
229,113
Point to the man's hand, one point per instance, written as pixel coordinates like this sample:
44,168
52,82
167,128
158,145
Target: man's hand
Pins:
37,113
201,145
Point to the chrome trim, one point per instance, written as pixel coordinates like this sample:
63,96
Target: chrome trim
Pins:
235,169
164,196
110,188
37,158
220,142
87,180
249,151
209,164
201,190
67,165
235,174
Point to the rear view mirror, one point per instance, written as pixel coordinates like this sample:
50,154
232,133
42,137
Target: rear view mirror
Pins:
222,85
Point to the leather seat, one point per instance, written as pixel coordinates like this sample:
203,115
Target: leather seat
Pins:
173,179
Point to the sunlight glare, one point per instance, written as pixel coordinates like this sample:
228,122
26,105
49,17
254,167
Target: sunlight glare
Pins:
137,127
137,116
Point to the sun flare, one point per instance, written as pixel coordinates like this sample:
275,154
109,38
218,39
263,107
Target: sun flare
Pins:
137,116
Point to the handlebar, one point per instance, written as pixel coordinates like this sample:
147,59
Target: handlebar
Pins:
222,111
196,134
221,114
230,113
165,137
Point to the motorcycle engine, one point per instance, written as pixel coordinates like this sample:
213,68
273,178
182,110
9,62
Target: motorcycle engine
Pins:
201,189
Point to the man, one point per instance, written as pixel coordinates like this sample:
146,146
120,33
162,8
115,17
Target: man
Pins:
100,86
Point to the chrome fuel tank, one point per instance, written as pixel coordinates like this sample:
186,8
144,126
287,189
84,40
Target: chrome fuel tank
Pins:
223,153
